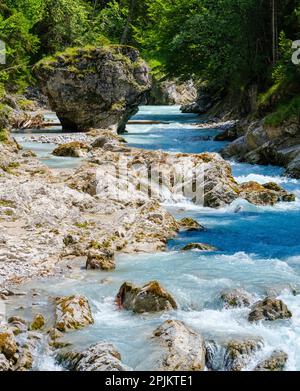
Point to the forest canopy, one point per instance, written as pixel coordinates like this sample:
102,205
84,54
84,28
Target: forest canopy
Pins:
229,44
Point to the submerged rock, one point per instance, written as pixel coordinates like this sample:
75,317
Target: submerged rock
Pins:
267,194
189,224
239,353
72,149
269,309
72,312
199,246
184,348
276,362
102,86
236,298
101,259
102,356
148,298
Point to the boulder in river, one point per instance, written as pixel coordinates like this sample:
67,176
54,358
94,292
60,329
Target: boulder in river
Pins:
189,224
38,322
199,246
72,149
275,363
184,349
236,298
102,356
269,309
100,259
151,297
267,194
94,87
239,353
72,312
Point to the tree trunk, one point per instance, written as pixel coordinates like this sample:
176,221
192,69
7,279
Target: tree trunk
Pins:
128,22
274,30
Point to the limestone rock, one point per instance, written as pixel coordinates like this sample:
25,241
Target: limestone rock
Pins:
184,349
4,363
102,356
172,92
72,149
38,322
72,312
236,298
189,224
269,309
276,362
100,259
102,86
199,246
148,298
8,345
239,353
267,194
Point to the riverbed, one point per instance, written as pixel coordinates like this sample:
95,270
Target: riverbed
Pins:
258,250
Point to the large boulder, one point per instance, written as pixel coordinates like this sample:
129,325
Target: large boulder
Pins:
199,246
172,92
148,298
102,356
94,87
184,349
269,309
72,312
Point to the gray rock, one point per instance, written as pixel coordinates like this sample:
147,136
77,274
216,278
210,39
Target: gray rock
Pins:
199,246
99,357
236,298
269,309
4,363
102,86
184,349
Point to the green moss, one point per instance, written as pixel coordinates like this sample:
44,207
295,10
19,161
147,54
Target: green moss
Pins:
26,104
85,224
3,136
284,112
9,168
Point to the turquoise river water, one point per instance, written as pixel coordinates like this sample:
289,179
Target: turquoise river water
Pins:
259,250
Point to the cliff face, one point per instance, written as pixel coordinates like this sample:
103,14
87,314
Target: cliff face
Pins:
172,92
95,87
262,144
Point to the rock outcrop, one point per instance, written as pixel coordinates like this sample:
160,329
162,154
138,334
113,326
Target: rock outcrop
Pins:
148,298
189,224
267,194
202,104
72,313
269,309
184,349
102,356
96,87
172,92
264,144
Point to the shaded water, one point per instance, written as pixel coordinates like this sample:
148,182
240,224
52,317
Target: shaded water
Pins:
259,250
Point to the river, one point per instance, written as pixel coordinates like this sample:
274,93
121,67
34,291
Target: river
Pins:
259,251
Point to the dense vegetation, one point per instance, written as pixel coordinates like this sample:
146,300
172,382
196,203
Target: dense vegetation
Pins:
230,45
